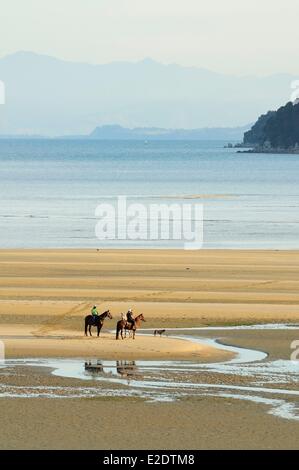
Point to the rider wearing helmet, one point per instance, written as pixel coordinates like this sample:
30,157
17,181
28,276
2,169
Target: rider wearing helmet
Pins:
94,313
130,317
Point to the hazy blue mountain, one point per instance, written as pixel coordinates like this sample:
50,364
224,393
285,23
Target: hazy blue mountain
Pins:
47,96
116,132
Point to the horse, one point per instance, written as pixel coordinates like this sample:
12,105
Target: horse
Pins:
124,325
97,321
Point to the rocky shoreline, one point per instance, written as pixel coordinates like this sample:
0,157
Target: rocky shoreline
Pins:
271,151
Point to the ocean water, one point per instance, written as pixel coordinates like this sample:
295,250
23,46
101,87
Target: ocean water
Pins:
50,189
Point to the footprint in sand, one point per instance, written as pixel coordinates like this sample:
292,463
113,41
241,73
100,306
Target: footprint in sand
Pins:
53,324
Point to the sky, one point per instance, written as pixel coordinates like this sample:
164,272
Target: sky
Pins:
240,37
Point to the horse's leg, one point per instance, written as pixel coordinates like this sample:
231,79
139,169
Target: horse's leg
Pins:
85,328
99,329
118,329
90,334
134,334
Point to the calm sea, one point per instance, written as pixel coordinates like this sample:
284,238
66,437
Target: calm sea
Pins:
50,189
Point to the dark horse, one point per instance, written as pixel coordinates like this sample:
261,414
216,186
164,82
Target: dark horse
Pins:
97,321
124,325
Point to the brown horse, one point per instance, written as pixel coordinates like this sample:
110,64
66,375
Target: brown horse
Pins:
97,321
124,325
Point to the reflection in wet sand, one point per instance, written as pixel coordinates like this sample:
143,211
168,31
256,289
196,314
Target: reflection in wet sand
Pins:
122,368
126,368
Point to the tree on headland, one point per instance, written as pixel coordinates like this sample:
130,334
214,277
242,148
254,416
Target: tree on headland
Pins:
276,129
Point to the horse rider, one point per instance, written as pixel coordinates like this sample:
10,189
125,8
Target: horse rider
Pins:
130,317
94,313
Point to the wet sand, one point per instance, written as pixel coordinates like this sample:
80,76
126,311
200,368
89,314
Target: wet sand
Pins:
208,423
193,422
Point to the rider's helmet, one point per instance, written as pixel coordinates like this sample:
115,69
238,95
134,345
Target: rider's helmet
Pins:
94,306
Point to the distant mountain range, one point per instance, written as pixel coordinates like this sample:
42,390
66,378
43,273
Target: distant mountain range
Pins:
116,132
47,96
154,133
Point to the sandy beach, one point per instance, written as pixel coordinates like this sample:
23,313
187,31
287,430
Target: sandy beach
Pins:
149,231
22,342
45,294
97,424
51,289
192,422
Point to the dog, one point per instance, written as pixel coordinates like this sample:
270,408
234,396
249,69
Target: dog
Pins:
159,332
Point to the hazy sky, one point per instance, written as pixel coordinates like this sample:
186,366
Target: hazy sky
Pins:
234,36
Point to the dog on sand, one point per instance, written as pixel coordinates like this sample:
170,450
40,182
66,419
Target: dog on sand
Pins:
159,332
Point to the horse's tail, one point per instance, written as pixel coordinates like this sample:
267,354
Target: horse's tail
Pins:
86,324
